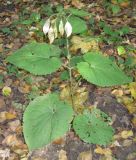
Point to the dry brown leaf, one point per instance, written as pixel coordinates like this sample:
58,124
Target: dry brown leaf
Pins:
117,92
2,116
127,142
1,48
134,121
2,102
14,125
80,95
12,140
85,156
78,4
59,141
24,88
62,155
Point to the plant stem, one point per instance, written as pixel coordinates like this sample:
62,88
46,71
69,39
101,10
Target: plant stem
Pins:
70,72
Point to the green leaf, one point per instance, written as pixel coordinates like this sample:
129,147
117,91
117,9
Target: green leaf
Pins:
78,12
101,71
78,25
121,50
46,119
93,128
75,60
37,58
64,75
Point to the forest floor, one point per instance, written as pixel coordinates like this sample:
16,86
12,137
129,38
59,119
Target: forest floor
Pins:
118,102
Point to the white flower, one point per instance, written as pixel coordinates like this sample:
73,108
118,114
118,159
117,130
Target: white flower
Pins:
61,28
68,29
46,26
51,35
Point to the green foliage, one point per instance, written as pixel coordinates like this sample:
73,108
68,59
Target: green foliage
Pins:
101,71
37,58
76,23
64,75
93,127
111,35
78,12
46,119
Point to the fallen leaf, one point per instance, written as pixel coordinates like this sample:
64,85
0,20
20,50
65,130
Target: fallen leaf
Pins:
80,95
83,44
126,134
2,102
134,121
24,88
59,141
85,156
132,88
14,125
127,142
6,91
11,140
2,116
105,151
78,4
10,116
5,153
117,92
62,155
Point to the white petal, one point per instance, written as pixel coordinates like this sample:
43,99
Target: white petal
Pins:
68,29
61,28
51,35
46,26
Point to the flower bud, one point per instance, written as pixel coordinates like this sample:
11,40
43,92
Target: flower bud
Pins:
68,29
46,26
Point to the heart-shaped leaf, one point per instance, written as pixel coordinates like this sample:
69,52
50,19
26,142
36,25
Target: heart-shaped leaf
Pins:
46,119
92,128
37,58
101,71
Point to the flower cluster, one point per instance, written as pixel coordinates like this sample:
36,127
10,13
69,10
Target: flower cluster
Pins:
50,28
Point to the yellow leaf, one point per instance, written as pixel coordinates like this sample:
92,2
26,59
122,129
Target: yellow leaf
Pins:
6,91
132,88
105,151
10,115
85,156
126,134
80,95
62,155
83,44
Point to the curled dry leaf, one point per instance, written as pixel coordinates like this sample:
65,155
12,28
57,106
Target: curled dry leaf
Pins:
46,26
68,29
